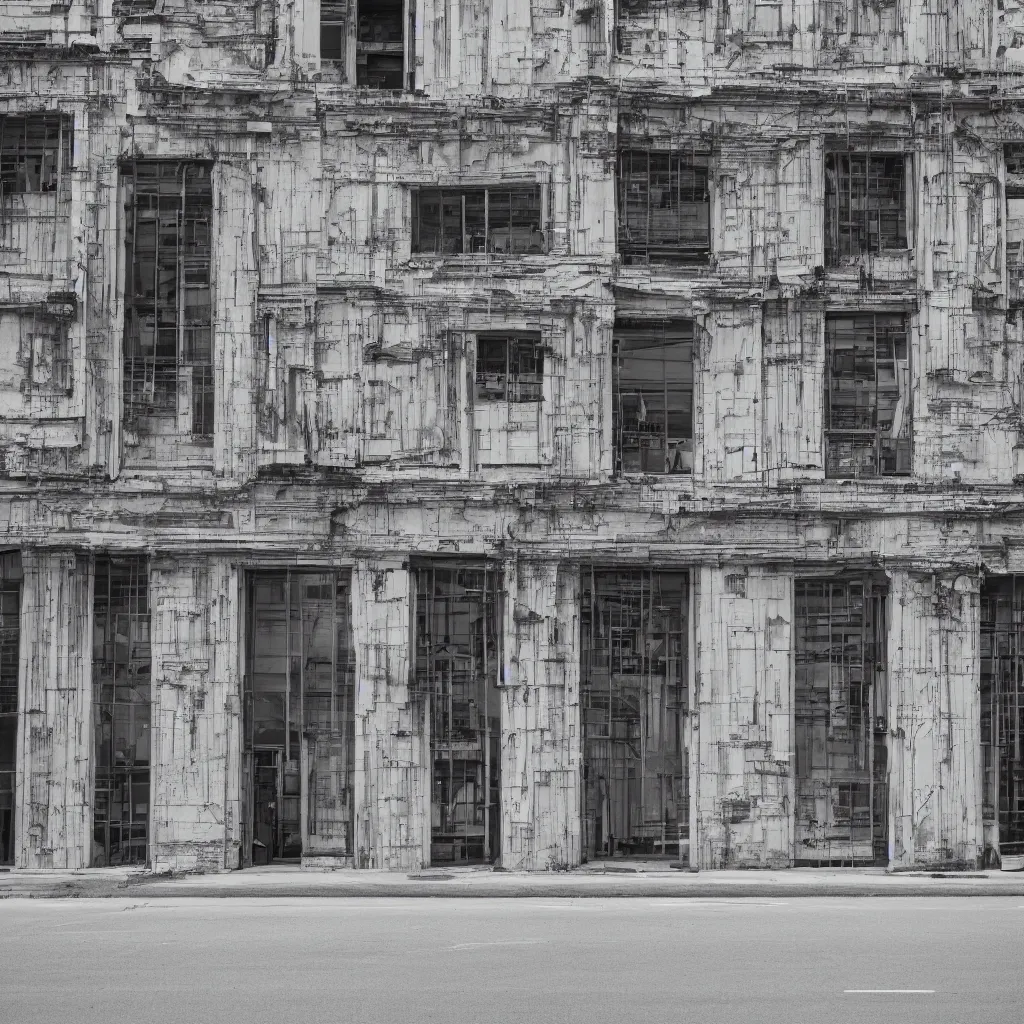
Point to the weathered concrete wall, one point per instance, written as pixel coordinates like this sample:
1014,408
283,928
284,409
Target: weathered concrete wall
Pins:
196,714
392,758
935,720
541,743
741,804
53,811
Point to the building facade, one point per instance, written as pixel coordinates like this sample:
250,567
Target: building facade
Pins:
511,431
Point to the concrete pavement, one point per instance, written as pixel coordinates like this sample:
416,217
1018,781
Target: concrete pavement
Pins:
622,878
594,961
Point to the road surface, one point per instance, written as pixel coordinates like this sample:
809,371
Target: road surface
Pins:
476,961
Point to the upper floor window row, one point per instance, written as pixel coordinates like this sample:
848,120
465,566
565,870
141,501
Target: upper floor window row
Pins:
35,152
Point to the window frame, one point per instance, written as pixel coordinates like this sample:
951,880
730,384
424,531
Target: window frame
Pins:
833,434
55,155
520,347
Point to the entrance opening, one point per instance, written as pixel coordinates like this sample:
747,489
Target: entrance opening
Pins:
10,634
458,665
841,713
299,717
1002,709
635,713
122,695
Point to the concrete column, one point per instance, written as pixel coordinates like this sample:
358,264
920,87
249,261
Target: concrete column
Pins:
392,756
935,801
741,806
196,742
53,801
540,717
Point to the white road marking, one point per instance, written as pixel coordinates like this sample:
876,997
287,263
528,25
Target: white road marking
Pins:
888,991
504,942
683,902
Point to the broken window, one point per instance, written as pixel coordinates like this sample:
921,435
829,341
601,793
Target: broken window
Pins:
35,152
653,410
1002,709
168,327
840,715
1015,224
635,713
122,696
10,636
867,405
299,723
865,204
458,666
380,44
664,207
509,368
504,220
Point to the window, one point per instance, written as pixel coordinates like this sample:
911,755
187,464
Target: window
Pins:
840,719
653,412
1015,224
865,204
765,18
868,409
122,702
664,211
10,634
380,44
503,221
332,30
168,330
509,368
35,150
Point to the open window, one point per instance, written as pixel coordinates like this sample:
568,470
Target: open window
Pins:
122,708
841,721
10,636
1015,224
865,204
653,410
868,399
168,328
380,44
456,221
509,368
664,207
35,152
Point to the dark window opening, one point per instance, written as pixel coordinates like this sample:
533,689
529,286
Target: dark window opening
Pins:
380,44
35,152
635,710
1002,709
299,723
653,409
865,204
1015,224
168,329
664,207
841,721
458,621
509,368
10,637
477,220
868,398
333,22
122,703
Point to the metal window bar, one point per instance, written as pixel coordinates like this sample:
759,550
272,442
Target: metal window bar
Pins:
168,330
840,719
635,711
498,221
653,381
122,695
10,636
664,206
1002,708
865,204
509,368
35,152
457,618
868,415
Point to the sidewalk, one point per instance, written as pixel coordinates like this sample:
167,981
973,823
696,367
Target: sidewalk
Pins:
623,878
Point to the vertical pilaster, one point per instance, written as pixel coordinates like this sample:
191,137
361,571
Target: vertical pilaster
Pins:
392,757
53,810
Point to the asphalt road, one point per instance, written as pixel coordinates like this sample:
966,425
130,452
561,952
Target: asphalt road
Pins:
479,961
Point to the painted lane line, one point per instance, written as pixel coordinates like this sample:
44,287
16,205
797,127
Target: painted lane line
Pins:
505,942
888,991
